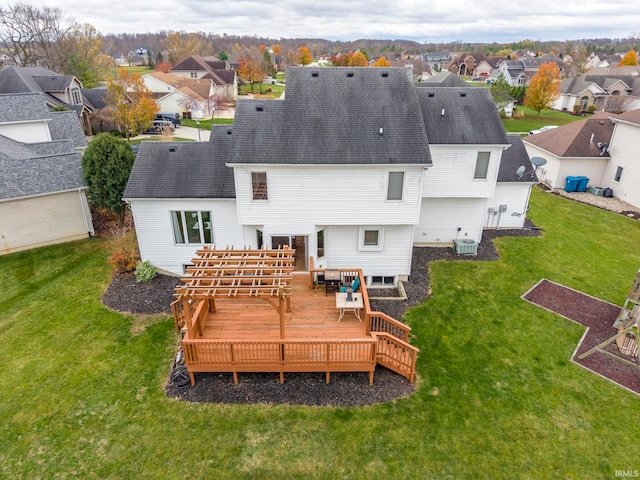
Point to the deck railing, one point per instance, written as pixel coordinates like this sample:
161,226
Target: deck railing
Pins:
282,356
381,322
397,355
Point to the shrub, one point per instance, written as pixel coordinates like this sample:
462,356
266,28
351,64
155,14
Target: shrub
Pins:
145,272
123,260
591,108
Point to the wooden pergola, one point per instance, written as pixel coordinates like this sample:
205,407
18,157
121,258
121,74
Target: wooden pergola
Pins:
226,330
263,273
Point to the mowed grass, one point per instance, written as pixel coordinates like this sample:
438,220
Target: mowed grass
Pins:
531,120
497,397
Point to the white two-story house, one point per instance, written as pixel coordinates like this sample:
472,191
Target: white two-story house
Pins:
352,169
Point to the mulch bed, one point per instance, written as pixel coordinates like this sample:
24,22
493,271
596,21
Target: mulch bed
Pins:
598,316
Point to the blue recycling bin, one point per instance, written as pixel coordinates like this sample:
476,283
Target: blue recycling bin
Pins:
571,185
582,184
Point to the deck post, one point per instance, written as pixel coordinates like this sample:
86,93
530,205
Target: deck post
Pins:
235,377
328,377
281,311
212,304
193,378
371,378
186,308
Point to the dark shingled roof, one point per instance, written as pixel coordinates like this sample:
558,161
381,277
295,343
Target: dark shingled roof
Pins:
183,169
20,107
65,126
512,158
28,170
456,116
334,116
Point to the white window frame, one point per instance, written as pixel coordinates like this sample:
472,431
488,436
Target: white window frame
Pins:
395,175
362,235
76,96
253,187
180,229
481,155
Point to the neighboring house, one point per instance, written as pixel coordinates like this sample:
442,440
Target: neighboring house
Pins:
342,179
602,60
576,149
518,73
42,192
472,64
437,60
177,94
220,73
609,89
421,70
59,90
603,148
622,172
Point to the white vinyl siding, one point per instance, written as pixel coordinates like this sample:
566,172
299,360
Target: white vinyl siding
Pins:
155,231
440,219
332,195
453,171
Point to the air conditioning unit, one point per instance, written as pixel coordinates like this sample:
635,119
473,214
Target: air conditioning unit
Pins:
465,247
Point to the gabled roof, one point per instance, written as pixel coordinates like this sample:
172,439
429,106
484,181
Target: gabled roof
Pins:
183,169
457,115
38,169
577,85
512,159
578,139
364,116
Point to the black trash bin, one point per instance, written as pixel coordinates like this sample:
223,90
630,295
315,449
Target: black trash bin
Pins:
608,193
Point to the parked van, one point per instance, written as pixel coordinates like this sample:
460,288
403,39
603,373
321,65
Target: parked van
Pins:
171,117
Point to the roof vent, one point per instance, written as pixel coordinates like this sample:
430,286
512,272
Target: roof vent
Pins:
259,108
229,131
384,74
381,132
442,113
431,94
591,139
173,148
314,74
463,94
349,74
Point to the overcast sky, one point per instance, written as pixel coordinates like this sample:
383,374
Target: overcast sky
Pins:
422,21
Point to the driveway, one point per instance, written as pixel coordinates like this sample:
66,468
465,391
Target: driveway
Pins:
183,132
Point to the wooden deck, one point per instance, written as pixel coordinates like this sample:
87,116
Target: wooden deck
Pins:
313,316
238,314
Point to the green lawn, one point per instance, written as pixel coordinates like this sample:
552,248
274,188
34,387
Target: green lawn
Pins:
532,120
497,397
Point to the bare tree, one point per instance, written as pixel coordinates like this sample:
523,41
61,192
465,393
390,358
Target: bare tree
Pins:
33,35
